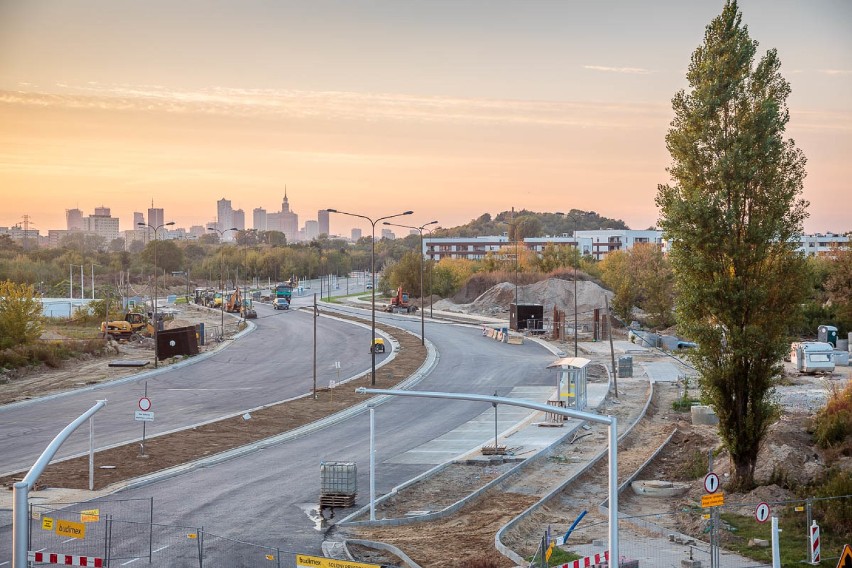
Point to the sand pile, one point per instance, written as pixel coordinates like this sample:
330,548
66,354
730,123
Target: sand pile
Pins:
551,292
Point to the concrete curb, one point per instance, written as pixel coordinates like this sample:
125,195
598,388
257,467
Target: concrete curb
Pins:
380,546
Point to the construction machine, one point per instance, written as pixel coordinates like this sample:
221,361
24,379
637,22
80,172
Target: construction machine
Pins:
123,329
234,302
400,303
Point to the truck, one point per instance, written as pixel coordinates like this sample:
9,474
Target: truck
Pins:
400,303
284,290
811,357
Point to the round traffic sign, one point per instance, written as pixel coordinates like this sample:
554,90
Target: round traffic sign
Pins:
761,512
145,404
711,482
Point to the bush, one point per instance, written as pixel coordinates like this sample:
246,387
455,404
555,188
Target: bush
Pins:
49,353
20,315
833,424
835,514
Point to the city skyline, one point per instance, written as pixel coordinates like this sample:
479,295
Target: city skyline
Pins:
449,110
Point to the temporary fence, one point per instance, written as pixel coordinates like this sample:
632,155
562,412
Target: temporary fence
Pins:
661,539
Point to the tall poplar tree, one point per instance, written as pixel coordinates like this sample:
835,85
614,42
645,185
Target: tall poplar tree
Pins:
731,211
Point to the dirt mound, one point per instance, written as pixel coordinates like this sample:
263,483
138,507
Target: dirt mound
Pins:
550,292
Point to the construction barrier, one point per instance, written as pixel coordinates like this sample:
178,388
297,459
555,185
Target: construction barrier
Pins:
588,561
64,559
814,538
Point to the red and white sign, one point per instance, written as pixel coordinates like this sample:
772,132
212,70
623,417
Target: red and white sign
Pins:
587,561
711,482
761,512
64,559
814,538
144,404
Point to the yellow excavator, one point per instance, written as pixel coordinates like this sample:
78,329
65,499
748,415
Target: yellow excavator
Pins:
133,322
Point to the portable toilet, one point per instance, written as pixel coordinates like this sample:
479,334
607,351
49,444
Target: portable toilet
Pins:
571,381
827,334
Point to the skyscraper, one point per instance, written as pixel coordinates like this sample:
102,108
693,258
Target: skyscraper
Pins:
239,219
225,218
259,219
74,219
356,235
155,216
322,219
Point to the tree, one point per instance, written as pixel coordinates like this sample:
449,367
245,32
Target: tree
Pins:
20,315
616,273
169,255
406,273
839,282
731,214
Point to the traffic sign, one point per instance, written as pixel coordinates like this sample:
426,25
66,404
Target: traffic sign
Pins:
712,500
144,404
711,482
845,557
761,512
144,416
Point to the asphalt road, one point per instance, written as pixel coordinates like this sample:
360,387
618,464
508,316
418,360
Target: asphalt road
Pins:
270,496
272,363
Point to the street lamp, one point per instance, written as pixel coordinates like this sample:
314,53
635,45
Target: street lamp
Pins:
422,313
221,276
373,272
575,261
431,269
156,321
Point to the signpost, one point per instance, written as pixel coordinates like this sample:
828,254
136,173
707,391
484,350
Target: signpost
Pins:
144,415
761,512
711,482
713,501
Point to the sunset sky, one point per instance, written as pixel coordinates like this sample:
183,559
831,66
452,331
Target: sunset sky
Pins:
449,108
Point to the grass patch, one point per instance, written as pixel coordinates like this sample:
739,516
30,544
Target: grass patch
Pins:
793,543
49,353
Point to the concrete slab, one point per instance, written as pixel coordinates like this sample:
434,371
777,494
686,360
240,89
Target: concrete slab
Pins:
661,372
618,345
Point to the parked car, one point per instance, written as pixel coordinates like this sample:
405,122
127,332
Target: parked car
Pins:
281,304
369,286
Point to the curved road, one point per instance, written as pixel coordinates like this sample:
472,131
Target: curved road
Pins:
270,496
272,363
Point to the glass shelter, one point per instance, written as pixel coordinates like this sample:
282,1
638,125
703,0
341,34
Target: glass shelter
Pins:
571,381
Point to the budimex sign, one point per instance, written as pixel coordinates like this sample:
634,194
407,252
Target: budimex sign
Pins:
70,529
304,561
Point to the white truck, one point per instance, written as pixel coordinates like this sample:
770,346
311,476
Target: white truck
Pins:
812,357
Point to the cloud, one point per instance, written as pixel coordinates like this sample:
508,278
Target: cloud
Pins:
625,70
836,71
339,106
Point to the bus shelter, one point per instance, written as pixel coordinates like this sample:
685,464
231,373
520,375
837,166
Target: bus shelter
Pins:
571,381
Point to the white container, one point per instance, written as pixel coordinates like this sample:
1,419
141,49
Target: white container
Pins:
812,357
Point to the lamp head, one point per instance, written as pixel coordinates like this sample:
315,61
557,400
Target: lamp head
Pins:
170,223
141,224
332,210
409,213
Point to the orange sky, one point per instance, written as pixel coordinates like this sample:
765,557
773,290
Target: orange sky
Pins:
426,112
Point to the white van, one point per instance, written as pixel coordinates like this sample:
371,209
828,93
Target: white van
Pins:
812,357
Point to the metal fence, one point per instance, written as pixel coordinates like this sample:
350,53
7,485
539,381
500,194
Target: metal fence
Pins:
683,538
123,531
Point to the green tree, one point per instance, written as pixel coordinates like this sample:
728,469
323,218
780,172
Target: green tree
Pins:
20,314
616,274
169,255
839,282
731,213
406,273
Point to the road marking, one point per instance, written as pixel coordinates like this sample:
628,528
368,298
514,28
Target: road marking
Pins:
129,562
68,540
161,548
215,390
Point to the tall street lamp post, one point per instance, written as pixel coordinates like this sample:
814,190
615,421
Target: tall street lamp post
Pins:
422,313
156,320
430,270
222,276
373,272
